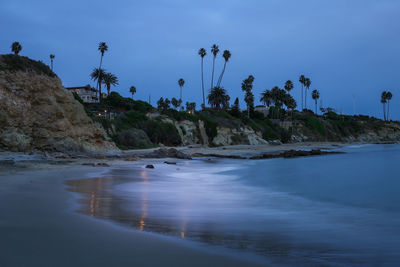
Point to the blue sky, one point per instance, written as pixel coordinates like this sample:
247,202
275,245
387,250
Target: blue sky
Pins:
346,47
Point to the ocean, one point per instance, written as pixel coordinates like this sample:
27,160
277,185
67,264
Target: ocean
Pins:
334,210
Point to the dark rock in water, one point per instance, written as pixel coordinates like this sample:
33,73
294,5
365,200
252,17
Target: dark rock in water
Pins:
150,166
132,159
295,153
219,156
102,164
168,153
170,162
275,142
89,164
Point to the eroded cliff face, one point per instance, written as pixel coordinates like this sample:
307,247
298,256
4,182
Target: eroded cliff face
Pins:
37,112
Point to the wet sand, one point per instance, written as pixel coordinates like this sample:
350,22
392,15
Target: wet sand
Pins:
39,226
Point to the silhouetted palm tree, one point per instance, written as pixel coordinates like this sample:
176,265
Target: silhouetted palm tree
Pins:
226,55
247,86
97,76
218,98
307,84
52,59
266,98
109,79
132,90
215,51
289,86
16,48
102,48
388,98
175,102
202,53
302,80
315,96
383,101
181,83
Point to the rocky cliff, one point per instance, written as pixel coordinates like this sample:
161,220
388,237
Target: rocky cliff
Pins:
37,112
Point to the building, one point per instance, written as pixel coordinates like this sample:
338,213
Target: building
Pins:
262,109
87,93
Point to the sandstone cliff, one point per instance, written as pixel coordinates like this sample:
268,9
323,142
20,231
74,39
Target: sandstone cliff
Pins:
37,112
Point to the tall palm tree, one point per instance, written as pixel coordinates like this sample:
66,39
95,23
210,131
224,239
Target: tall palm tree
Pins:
302,80
383,101
16,48
181,83
307,84
315,96
132,90
102,48
97,75
215,51
226,55
388,98
52,59
289,86
218,97
109,79
247,86
202,52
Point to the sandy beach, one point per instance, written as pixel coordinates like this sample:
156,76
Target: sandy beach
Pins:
39,227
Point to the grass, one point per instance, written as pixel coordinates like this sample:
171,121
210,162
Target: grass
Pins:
14,63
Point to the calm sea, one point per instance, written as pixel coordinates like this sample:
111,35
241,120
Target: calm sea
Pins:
335,210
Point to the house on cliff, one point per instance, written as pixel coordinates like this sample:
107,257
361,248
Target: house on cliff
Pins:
87,93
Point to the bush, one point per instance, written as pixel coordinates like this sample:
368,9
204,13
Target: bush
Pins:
179,115
15,63
133,138
315,125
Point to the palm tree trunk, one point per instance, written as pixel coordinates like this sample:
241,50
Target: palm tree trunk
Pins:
212,77
202,83
387,116
99,82
384,112
222,74
315,107
302,98
52,65
108,89
305,98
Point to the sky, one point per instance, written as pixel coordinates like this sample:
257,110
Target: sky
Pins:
350,49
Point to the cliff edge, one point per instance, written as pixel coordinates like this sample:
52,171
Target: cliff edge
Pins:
37,112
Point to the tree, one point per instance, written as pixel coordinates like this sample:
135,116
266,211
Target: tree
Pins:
266,98
302,80
235,111
290,103
52,59
181,83
383,101
97,75
388,98
167,103
289,86
226,55
215,51
160,103
247,86
202,52
315,96
175,102
109,79
307,84
102,48
16,48
218,97
190,106
132,90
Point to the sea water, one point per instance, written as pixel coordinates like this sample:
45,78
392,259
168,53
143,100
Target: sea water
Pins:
339,209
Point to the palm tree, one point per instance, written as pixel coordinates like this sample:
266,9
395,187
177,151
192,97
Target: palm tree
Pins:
247,86
307,84
202,52
97,75
266,98
289,86
215,51
226,55
315,96
175,102
383,101
302,80
218,97
16,48
109,79
388,98
102,48
51,59
132,90
181,83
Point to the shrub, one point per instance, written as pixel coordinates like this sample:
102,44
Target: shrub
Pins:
15,63
133,138
315,125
